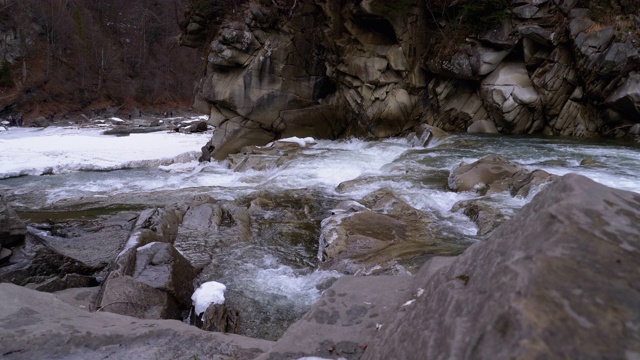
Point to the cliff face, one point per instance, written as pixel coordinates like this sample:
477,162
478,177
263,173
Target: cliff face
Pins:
375,69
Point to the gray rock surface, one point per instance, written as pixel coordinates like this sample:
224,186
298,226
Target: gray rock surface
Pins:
39,263
162,267
560,279
345,319
35,325
12,228
150,279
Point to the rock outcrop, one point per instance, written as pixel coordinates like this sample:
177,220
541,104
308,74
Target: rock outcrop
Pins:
377,69
150,279
36,325
559,280
544,283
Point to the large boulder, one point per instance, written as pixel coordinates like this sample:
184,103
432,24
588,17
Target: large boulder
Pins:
35,325
122,294
493,174
161,266
150,279
374,236
560,278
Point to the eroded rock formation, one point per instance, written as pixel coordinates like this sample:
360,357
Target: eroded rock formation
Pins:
378,69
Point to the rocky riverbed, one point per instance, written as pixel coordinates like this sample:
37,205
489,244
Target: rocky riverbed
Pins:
327,248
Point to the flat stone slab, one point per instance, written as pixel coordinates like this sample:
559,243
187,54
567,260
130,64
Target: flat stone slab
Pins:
36,325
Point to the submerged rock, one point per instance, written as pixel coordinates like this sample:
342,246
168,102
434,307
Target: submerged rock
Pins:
486,216
545,282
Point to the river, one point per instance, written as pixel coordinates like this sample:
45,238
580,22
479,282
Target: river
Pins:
69,170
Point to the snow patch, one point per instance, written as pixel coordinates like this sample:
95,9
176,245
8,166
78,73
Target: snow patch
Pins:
131,243
304,142
208,293
148,246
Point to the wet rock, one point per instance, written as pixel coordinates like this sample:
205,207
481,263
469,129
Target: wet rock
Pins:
361,239
234,134
485,215
210,224
272,155
482,173
543,282
344,320
424,134
12,228
590,162
36,325
494,174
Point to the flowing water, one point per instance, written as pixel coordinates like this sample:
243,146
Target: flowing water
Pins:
65,169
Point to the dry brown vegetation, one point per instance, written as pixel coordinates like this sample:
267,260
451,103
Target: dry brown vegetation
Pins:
82,55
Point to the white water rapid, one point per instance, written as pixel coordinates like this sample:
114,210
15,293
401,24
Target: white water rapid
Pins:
51,168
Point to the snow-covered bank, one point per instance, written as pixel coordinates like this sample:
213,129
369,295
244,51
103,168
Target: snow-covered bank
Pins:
59,150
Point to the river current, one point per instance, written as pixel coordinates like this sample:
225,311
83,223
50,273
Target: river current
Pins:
58,169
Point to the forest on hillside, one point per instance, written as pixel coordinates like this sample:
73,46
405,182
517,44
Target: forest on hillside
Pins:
70,56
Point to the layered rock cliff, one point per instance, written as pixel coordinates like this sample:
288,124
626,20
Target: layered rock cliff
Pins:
377,69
